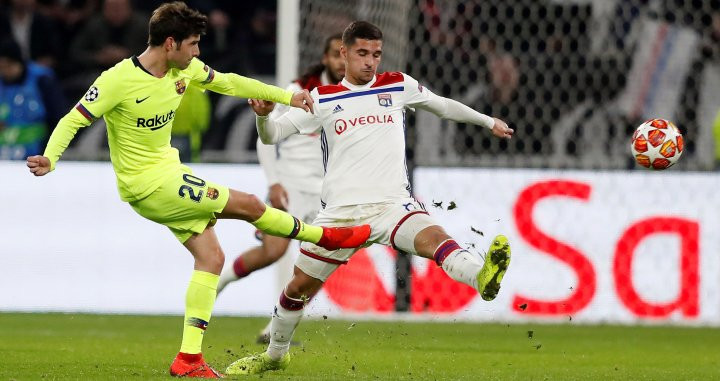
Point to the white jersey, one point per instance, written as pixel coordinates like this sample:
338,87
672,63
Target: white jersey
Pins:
298,161
363,137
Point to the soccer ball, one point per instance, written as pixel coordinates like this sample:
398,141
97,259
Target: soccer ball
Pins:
657,144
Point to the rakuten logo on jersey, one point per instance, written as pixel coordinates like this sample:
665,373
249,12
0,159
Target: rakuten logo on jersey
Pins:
156,122
341,124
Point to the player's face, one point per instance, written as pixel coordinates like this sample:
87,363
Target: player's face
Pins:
334,62
181,55
362,60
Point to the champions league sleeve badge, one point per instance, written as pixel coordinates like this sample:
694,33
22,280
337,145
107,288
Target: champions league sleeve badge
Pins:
92,94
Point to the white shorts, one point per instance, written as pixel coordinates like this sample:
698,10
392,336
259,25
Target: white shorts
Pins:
394,223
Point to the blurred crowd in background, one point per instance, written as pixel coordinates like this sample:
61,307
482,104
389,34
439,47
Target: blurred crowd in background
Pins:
573,77
52,50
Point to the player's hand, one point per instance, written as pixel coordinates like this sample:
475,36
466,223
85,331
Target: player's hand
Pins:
278,197
501,129
303,100
39,165
261,108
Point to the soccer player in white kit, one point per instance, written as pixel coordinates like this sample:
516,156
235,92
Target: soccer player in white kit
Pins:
362,122
294,172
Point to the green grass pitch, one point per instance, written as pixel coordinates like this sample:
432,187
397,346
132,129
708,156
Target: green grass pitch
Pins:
98,347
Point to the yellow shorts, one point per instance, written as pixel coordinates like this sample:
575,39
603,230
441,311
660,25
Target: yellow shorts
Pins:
184,203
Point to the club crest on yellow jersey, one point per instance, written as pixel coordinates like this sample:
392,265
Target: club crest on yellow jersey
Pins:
180,86
212,193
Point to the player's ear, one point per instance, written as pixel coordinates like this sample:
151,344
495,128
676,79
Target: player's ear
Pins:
343,52
169,44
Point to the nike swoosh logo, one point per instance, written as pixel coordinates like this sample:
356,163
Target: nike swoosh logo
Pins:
159,127
141,100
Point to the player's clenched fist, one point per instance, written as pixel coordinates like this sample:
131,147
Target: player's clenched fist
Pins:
39,165
303,100
501,129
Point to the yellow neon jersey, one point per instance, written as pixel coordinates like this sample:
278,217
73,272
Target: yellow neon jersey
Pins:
139,109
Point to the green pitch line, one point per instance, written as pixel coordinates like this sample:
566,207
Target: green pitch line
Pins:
98,347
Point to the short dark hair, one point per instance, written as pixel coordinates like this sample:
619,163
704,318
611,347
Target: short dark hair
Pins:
175,20
362,30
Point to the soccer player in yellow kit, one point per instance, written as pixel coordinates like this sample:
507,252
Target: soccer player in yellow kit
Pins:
138,98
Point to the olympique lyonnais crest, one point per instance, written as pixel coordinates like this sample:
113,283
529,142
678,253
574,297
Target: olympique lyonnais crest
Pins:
180,86
385,100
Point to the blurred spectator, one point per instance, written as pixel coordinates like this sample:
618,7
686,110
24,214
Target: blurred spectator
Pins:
36,34
192,119
69,15
106,40
31,103
262,37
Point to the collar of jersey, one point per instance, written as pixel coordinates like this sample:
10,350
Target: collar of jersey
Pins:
350,86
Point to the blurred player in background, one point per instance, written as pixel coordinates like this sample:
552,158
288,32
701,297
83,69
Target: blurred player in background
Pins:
362,125
293,169
138,98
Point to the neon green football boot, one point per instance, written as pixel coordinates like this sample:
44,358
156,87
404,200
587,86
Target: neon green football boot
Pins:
257,364
492,272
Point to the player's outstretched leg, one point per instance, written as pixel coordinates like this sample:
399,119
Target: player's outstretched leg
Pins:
496,263
463,266
275,222
278,223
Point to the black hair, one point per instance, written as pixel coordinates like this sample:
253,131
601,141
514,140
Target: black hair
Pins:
362,30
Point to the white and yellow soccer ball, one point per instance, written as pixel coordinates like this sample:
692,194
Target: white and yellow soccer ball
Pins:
657,144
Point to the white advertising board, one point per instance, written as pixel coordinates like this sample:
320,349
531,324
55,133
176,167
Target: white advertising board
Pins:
619,247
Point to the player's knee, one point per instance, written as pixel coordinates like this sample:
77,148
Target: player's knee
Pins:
294,290
428,239
244,206
254,207
299,290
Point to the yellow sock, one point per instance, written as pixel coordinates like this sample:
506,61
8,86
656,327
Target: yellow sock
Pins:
199,302
278,223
